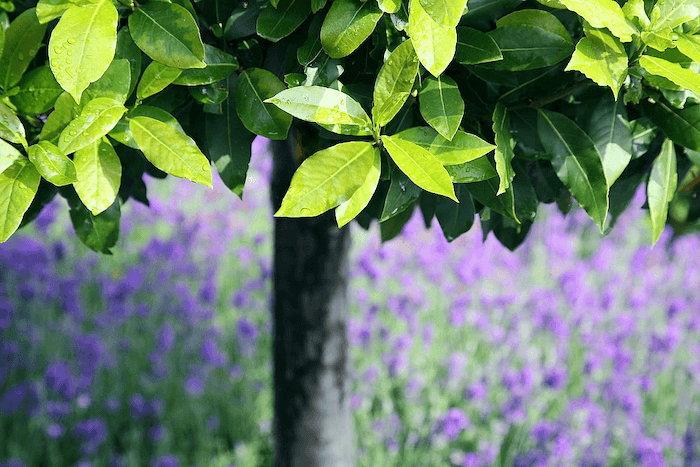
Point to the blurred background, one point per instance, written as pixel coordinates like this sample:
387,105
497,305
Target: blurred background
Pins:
575,350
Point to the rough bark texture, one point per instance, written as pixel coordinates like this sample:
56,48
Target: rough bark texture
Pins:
313,423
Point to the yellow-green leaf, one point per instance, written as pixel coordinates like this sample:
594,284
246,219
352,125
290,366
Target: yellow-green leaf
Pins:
434,44
446,13
348,210
170,150
683,77
601,57
464,147
155,78
504,148
96,119
661,187
327,179
52,164
11,128
689,45
99,175
394,83
603,14
348,24
82,45
18,186
8,155
420,166
325,106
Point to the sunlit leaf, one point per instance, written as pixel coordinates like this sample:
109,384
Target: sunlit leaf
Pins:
434,44
22,41
661,187
348,24
99,175
18,185
156,77
441,105
683,77
348,210
446,13
464,147
504,148
96,119
52,164
603,14
394,83
11,128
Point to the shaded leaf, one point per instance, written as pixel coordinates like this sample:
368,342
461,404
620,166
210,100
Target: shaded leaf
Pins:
22,41
612,136
477,170
115,83
577,162
220,65
65,110
254,85
527,47
485,193
682,126
99,233
402,194
127,49
327,179
474,46
277,23
455,218
504,148
168,34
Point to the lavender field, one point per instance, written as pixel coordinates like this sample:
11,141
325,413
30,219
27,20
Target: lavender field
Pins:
576,350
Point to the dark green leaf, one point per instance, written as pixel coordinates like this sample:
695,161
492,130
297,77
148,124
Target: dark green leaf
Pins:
253,87
242,21
528,47
661,188
276,23
682,126
38,91
577,162
474,46
504,148
115,83
441,105
391,228
22,41
455,218
126,48
485,193
402,194
99,233
477,170
312,46
610,131
168,34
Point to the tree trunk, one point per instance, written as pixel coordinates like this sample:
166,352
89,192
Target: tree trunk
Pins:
313,424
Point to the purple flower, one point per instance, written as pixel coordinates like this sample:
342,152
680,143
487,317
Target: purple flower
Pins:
194,385
138,407
113,404
355,401
59,379
555,377
167,460
236,372
455,365
89,351
213,422
55,430
13,463
16,398
542,432
5,313
156,434
165,337
211,354
92,433
453,423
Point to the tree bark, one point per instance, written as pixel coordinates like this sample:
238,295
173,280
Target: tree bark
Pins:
313,424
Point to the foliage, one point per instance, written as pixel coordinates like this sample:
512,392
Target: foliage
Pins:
576,349
488,107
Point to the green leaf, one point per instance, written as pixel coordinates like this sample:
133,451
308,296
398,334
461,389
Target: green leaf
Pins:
348,210
420,166
394,83
37,93
170,150
228,143
446,13
668,14
115,83
22,41
682,126
661,188
348,24
127,49
99,233
402,194
254,86
392,228
220,65
96,119
441,105
601,57
455,218
311,48
325,106
156,77
168,34
8,155
18,186
577,162
474,46
434,44
610,131
477,170
485,193
464,147
504,148
46,10
683,77
327,179
317,5
634,10
603,14
242,21
99,175
65,110
52,164
389,6
11,129
689,45
277,23
527,47
538,19
122,133
82,45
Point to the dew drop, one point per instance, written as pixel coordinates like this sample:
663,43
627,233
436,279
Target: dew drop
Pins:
72,132
57,50
71,40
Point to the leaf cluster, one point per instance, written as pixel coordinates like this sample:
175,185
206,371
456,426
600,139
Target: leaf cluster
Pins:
456,107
